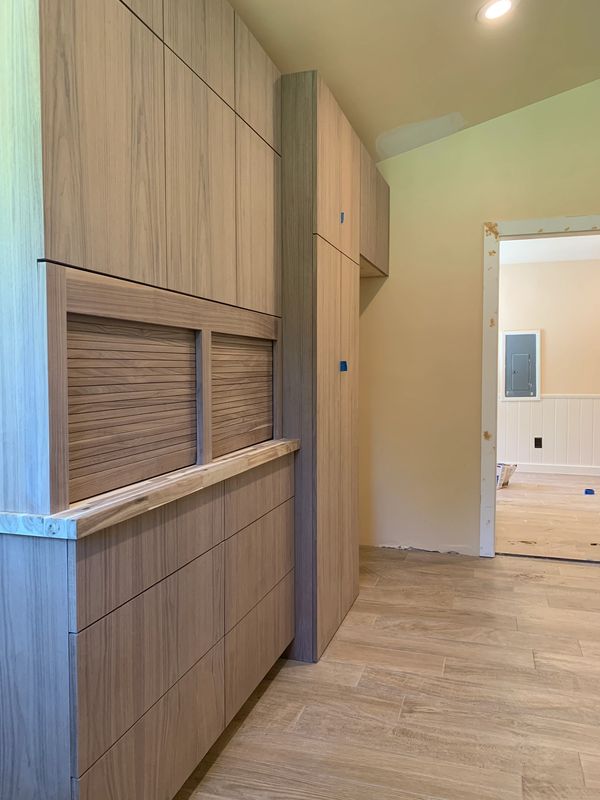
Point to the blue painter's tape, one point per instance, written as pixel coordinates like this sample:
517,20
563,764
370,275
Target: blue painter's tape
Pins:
343,366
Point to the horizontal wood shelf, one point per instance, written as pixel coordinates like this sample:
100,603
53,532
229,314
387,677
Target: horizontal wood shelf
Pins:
96,513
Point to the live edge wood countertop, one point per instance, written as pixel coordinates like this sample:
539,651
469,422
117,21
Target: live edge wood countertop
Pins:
88,516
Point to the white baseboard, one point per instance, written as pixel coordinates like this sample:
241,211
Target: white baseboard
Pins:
559,469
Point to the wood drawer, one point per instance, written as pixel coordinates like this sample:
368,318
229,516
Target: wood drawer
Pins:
250,495
127,660
110,567
153,759
255,644
256,559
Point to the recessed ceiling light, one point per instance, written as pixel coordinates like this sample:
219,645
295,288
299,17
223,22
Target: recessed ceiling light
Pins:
495,9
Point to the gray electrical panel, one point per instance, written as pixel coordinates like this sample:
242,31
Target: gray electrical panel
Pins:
520,365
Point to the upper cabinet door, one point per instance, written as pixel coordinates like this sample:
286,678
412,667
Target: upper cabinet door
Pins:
349,145
257,86
150,12
103,139
368,206
201,33
374,219
258,222
382,253
200,169
338,176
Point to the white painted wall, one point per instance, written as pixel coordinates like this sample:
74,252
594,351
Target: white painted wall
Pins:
569,426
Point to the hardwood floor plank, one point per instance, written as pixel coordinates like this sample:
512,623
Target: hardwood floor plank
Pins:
591,770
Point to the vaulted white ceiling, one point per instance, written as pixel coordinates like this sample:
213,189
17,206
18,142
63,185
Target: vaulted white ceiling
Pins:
394,63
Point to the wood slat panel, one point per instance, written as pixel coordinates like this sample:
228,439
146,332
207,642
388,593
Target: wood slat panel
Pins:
131,416
242,392
254,645
256,559
171,737
127,660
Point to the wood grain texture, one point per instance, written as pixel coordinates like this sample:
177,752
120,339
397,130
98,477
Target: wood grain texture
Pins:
127,660
337,186
349,155
201,33
200,148
150,12
104,149
383,225
252,494
254,645
34,669
368,206
242,392
101,296
153,759
328,443
131,402
381,717
87,517
204,395
257,86
123,560
256,559
298,165
24,455
374,219
348,495
258,222
56,309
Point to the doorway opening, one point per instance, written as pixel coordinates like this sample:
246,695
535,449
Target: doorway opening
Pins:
541,389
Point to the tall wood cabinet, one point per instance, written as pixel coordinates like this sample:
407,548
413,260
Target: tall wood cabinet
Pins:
321,176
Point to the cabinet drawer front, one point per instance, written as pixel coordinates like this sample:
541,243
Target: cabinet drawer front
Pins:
250,495
256,559
126,661
153,759
118,563
255,644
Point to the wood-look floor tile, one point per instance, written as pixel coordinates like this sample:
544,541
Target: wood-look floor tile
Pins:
367,655
591,770
543,790
452,678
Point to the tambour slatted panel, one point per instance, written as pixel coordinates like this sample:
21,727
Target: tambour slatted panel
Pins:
132,402
242,392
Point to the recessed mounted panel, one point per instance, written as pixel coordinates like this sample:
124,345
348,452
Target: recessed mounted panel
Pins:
132,402
242,392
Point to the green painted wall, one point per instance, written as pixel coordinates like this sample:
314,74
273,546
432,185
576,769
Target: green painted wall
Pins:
420,330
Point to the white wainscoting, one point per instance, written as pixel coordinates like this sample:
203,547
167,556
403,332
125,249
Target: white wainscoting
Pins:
568,424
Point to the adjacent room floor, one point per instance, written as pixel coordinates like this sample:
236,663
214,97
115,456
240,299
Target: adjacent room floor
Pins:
549,515
452,678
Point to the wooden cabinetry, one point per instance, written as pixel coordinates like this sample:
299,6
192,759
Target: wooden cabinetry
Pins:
257,86
133,645
258,222
337,189
320,306
150,12
103,140
200,174
374,219
201,33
